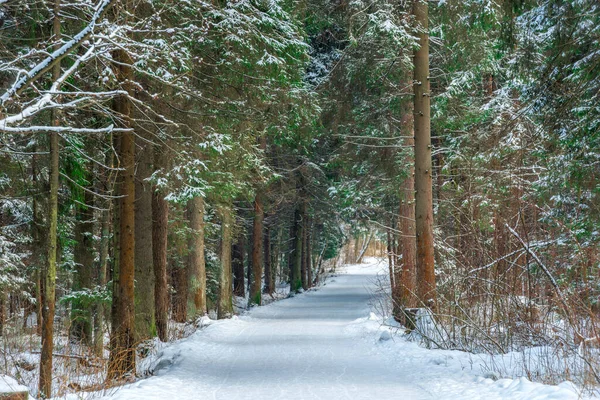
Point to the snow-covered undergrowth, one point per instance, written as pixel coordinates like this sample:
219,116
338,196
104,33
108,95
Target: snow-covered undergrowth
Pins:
505,336
456,374
547,362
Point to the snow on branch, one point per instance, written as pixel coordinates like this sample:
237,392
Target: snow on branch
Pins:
46,65
46,102
60,129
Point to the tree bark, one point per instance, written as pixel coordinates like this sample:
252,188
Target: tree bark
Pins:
423,177
364,247
390,263
296,281
38,240
269,273
49,294
356,249
249,258
81,316
225,308
160,220
145,326
181,286
49,276
101,281
304,265
309,273
239,278
197,262
122,340
407,274
291,250
2,313
257,251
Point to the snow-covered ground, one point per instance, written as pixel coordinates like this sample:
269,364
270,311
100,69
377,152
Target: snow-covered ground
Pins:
10,385
323,344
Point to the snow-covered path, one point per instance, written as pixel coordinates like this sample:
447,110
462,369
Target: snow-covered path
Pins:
313,346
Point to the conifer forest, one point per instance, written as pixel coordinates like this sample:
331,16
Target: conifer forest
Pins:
299,199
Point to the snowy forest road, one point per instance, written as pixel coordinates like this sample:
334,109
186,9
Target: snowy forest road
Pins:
297,348
323,344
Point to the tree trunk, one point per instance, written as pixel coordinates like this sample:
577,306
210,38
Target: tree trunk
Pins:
49,276
269,282
257,251
356,249
160,220
364,248
296,254
197,262
49,293
304,261
290,251
407,274
122,340
249,269
309,274
38,240
180,284
276,264
423,177
81,316
406,226
145,327
239,278
390,262
101,281
225,308
2,312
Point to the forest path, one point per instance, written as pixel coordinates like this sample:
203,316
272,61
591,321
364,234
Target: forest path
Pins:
323,344
298,348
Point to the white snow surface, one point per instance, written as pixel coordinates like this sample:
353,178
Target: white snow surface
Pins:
323,344
10,385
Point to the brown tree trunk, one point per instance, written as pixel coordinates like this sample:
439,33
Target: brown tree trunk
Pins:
269,273
101,281
309,274
356,249
179,304
2,312
49,275
390,262
38,240
406,225
257,251
296,256
276,264
122,340
239,278
197,263
290,250
405,295
145,327
160,220
249,269
225,308
304,263
81,316
423,177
